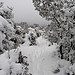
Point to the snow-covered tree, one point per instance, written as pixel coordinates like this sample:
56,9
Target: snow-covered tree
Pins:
56,10
7,13
11,37
61,13
6,31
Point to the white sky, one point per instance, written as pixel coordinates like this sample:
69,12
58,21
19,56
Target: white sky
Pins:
24,11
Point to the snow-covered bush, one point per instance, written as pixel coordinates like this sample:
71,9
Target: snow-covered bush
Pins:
12,66
30,37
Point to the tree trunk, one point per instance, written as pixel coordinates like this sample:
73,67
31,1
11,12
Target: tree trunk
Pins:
61,52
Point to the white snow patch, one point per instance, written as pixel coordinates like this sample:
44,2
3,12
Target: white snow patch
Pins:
39,58
42,41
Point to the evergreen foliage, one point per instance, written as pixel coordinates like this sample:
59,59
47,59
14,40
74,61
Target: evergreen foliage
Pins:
61,13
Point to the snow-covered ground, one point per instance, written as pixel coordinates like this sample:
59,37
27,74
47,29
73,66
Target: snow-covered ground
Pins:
37,57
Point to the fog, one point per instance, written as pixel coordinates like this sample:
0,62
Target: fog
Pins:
24,11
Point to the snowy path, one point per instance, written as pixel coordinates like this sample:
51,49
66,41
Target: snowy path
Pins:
39,58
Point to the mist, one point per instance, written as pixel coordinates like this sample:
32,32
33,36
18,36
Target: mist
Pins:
24,11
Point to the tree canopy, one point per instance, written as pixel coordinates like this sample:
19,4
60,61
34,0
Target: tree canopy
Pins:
56,10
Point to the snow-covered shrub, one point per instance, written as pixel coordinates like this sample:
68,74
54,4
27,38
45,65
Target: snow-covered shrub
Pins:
12,66
30,37
33,34
17,40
